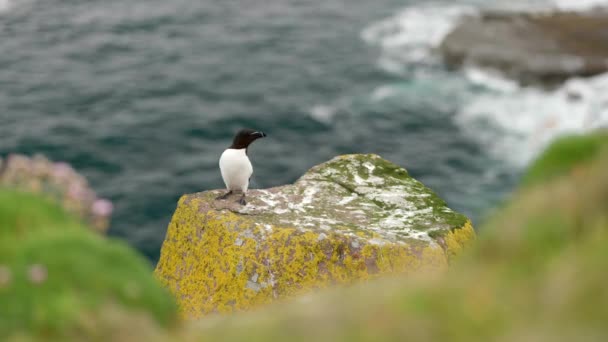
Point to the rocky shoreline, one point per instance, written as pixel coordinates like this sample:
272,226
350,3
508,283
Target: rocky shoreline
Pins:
534,48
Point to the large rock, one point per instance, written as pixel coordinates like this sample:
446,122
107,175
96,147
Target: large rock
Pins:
533,48
354,217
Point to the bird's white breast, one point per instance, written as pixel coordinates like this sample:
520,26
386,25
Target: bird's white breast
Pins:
236,169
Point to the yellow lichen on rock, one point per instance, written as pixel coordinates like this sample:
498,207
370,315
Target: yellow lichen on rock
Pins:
220,257
220,262
456,240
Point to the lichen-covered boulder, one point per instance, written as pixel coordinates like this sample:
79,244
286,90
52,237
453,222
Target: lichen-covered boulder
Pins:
353,217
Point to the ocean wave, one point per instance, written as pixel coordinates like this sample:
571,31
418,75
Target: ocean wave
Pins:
517,124
546,5
5,5
323,113
411,35
511,122
580,5
383,92
490,79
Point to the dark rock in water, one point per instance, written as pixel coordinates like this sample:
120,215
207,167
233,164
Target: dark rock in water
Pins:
534,48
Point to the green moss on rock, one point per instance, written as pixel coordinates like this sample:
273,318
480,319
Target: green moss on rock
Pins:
354,217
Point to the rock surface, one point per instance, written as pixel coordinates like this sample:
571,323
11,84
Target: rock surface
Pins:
544,48
354,217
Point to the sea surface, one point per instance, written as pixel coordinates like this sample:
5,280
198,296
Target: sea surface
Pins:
142,96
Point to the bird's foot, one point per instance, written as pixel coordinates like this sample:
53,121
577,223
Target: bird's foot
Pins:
224,196
242,200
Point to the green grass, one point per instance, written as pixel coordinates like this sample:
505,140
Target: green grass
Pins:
23,214
564,155
84,275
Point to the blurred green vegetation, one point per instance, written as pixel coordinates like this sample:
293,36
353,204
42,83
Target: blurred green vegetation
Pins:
565,155
25,214
536,273
60,280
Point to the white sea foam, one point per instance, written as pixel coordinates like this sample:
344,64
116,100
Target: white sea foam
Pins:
580,5
516,125
546,5
383,92
490,79
323,113
5,5
511,122
412,34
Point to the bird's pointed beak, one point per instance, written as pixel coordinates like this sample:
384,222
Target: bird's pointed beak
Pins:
259,134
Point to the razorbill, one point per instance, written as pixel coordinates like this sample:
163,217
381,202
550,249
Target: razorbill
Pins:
235,166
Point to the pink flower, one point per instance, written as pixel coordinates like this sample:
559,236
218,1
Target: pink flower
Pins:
77,191
37,273
62,170
5,276
102,207
40,166
18,162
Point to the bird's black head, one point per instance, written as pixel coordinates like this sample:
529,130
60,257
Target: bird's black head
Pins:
245,137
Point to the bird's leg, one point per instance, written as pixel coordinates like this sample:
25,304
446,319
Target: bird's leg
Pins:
224,196
242,200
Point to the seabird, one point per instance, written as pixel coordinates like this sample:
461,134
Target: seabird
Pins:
235,166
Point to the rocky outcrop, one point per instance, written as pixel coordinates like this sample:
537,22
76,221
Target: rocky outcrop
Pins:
544,48
354,217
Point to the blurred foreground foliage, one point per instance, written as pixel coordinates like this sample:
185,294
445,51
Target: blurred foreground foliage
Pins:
61,281
538,272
